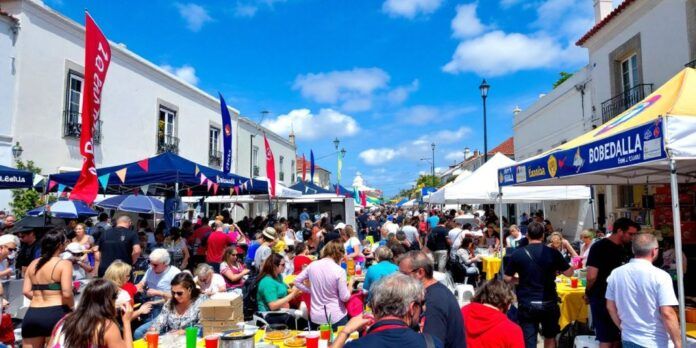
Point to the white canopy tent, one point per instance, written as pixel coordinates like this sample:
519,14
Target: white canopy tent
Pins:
482,187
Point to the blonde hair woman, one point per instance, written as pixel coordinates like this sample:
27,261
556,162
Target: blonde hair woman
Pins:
556,241
587,238
119,273
351,244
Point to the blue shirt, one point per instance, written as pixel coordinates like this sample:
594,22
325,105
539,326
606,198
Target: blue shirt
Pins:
303,217
377,272
251,252
433,221
393,338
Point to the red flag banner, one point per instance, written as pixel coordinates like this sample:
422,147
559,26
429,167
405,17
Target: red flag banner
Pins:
304,168
270,167
97,59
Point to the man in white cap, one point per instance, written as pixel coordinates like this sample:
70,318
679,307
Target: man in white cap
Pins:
75,253
269,238
8,251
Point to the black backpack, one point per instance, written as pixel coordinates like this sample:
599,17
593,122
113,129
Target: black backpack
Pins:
250,289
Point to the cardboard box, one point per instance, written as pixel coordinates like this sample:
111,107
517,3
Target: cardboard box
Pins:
228,307
217,326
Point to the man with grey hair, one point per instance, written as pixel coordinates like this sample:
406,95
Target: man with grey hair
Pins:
640,299
442,317
118,243
156,284
8,251
397,303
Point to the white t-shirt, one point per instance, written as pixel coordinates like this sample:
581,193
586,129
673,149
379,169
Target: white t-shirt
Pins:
639,290
512,242
455,236
216,283
411,233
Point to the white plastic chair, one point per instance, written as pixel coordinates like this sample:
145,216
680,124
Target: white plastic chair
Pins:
464,293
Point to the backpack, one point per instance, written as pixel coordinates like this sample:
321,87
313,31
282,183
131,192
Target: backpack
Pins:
457,269
250,290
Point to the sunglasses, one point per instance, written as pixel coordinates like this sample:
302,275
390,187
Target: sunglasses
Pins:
12,249
155,264
178,293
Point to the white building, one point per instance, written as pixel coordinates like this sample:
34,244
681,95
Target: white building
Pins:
632,49
145,109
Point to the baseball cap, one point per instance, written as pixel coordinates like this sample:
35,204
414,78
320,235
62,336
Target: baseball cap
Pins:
340,226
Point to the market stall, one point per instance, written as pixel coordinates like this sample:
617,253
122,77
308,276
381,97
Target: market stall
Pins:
650,143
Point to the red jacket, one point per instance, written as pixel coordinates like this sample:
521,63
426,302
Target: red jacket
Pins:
488,327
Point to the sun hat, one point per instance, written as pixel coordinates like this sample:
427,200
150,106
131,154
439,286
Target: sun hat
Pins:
270,233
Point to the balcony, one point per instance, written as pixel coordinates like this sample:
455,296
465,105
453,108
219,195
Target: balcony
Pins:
620,103
167,143
256,171
72,126
281,176
215,158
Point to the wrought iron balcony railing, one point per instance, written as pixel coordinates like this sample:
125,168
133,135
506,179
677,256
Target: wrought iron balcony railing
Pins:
167,143
72,126
621,102
215,158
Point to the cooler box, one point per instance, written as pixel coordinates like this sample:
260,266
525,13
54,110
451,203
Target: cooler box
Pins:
586,342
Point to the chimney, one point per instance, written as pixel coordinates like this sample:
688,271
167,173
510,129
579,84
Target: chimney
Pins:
602,8
476,153
467,153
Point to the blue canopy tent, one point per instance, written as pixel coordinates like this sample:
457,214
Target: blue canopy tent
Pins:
309,188
164,174
340,190
11,178
401,202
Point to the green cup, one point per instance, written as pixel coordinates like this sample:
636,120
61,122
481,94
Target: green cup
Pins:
584,282
191,336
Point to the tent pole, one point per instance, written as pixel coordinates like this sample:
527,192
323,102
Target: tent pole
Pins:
594,220
501,234
676,215
543,209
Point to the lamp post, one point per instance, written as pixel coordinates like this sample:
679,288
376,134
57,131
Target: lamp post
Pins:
484,94
432,164
336,142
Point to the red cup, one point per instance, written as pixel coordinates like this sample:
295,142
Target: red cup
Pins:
312,340
326,334
211,341
152,339
573,282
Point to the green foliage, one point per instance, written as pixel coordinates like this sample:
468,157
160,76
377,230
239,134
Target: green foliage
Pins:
428,181
24,200
564,76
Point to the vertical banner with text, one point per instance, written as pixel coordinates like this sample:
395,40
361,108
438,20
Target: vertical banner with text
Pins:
270,168
97,59
226,136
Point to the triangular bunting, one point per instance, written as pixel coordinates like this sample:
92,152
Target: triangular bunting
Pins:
145,188
236,190
210,184
144,164
104,180
244,186
215,188
136,191
189,192
197,170
51,184
121,173
37,179
61,188
203,178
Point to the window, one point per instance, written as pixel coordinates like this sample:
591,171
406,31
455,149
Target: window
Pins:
281,174
629,72
626,196
72,118
166,131
255,160
215,156
292,172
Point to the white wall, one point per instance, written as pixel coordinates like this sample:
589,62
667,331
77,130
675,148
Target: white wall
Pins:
7,95
554,118
279,145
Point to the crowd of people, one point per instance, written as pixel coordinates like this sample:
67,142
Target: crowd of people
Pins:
382,278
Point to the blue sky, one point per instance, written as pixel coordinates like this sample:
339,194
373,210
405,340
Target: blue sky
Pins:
386,77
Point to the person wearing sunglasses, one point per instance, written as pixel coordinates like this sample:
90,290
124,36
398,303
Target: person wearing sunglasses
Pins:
183,309
156,285
397,304
9,244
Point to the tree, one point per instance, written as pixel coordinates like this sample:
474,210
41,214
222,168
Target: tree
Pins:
428,181
24,200
564,76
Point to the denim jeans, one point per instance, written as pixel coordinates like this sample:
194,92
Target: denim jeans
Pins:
440,258
627,344
142,329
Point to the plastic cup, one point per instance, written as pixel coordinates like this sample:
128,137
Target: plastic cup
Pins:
584,283
191,336
325,332
211,341
152,339
312,340
573,282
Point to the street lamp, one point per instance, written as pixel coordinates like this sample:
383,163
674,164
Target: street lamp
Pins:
432,164
343,152
484,87
336,142
17,151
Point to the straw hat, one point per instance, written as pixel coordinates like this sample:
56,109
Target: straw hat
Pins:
270,233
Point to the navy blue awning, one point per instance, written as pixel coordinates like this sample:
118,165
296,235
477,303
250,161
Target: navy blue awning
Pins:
11,178
340,190
309,188
161,173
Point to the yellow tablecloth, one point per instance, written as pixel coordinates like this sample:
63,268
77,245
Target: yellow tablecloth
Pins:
691,330
573,306
491,266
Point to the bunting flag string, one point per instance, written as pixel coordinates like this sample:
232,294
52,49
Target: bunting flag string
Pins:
231,191
236,190
145,188
144,164
38,179
51,184
61,188
215,188
104,180
121,173
209,183
189,192
197,170
203,178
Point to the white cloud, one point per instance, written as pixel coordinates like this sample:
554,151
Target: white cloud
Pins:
194,15
509,3
444,136
499,53
249,8
242,10
353,90
186,73
565,19
307,125
455,156
378,156
466,23
410,8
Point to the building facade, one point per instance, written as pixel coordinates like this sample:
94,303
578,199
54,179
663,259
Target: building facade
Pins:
322,177
145,109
